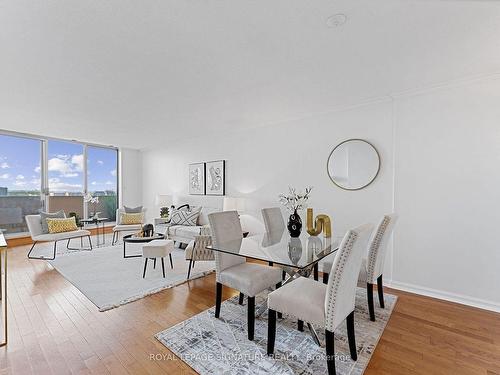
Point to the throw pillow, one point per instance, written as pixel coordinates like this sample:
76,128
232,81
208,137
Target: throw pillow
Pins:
182,217
134,210
61,225
45,215
130,219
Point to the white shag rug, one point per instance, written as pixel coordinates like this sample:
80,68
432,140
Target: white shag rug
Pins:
109,280
221,346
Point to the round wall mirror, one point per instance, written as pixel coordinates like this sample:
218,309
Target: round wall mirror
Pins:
353,164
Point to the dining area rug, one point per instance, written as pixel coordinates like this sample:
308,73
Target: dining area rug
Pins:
108,280
220,346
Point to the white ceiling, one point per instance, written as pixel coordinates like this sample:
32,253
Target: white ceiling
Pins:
142,73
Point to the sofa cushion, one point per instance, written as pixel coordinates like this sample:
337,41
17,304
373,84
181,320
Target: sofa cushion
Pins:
62,236
123,227
187,231
45,215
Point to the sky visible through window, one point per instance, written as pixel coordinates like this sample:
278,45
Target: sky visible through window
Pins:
20,166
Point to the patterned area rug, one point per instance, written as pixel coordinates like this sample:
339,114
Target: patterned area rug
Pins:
220,346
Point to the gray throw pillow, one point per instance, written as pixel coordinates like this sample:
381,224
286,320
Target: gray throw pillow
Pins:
134,210
45,215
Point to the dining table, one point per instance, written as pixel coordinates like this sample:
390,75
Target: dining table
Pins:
297,256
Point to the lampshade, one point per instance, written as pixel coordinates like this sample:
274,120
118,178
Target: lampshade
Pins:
163,200
233,204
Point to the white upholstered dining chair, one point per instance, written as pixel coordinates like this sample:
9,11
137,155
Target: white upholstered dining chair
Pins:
372,267
325,305
273,219
233,270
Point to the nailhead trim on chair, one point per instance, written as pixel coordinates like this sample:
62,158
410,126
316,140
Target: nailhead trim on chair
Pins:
335,281
374,249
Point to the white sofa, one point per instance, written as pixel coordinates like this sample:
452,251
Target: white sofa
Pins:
34,223
184,234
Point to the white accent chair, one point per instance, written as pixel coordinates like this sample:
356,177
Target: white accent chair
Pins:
34,223
372,267
119,227
326,305
197,250
233,271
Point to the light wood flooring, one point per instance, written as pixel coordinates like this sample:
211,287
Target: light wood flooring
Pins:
54,329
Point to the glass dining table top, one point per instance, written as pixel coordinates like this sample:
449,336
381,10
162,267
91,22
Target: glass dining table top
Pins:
281,249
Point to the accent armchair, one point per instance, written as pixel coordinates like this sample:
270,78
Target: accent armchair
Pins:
120,228
34,223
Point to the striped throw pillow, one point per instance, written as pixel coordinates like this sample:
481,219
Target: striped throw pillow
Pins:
184,217
61,225
130,219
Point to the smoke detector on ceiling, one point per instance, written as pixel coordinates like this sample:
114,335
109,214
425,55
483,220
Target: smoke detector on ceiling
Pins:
336,20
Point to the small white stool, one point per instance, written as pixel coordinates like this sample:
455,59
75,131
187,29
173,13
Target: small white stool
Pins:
157,249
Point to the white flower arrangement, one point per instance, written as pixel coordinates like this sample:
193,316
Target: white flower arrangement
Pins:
294,201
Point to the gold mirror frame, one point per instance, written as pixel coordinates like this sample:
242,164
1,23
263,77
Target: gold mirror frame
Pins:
340,144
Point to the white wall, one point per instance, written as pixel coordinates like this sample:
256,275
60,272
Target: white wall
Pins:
440,171
447,192
130,173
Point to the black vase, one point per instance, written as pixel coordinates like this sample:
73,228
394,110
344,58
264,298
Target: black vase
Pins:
294,224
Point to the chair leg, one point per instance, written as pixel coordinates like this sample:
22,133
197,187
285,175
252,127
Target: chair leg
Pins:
300,325
193,263
90,242
251,317
369,293
189,269
316,272
271,331
351,336
325,278
280,314
218,299
330,352
145,266
163,267
154,263
171,263
380,288
113,240
270,264
32,247
240,300
283,275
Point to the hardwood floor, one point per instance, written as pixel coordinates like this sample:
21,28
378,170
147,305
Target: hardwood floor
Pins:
54,329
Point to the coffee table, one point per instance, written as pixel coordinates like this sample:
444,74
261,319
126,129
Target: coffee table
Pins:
133,238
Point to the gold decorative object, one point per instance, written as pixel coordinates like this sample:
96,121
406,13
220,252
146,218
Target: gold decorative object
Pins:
322,223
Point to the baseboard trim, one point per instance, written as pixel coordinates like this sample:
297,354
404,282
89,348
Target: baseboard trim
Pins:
452,297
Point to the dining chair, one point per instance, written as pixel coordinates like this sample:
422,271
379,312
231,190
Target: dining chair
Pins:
325,305
273,219
372,267
233,271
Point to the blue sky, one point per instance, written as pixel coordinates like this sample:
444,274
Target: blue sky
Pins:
20,165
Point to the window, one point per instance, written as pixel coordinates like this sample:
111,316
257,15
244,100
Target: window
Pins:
49,174
102,180
20,182
65,177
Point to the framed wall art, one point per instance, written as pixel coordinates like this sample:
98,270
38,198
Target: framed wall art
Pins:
215,177
197,179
